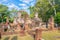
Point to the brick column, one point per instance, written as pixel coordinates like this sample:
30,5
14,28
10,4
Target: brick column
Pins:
18,27
0,34
51,23
38,35
26,27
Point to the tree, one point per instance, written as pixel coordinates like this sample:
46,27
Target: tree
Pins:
32,15
57,3
43,7
3,8
24,14
57,18
46,8
32,11
52,3
13,12
11,20
4,13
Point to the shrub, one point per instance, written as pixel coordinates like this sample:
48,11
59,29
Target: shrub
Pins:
57,18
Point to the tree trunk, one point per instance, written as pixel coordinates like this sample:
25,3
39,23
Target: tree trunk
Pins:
46,24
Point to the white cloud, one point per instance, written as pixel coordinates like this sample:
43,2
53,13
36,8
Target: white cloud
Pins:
22,4
25,7
32,3
13,6
26,1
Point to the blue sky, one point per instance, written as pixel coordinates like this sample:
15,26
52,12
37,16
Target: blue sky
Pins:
18,4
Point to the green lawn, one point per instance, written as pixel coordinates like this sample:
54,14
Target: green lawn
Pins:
47,35
17,37
51,35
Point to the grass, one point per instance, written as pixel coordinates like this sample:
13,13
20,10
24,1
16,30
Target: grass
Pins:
7,38
14,38
47,35
17,37
51,35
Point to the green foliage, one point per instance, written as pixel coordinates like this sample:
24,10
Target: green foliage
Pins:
11,20
32,11
3,18
44,9
47,15
5,13
14,10
3,8
57,18
0,19
32,15
24,14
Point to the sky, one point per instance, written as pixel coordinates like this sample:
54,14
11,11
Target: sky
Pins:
18,4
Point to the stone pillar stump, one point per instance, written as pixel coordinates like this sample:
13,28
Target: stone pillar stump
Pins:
51,23
38,35
26,27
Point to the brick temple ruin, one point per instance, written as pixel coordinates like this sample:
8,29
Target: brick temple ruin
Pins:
27,24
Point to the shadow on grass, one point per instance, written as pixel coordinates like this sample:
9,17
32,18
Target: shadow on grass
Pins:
7,38
14,38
